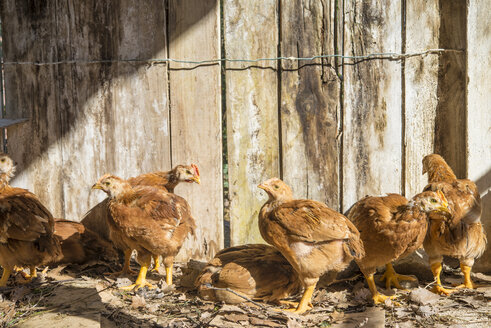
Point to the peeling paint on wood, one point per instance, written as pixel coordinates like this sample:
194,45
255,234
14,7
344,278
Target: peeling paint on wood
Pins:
310,101
252,112
196,118
421,83
372,101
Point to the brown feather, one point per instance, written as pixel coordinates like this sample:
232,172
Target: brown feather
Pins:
256,271
312,237
459,234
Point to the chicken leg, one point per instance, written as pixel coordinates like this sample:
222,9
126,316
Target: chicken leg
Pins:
391,277
126,266
168,275
156,263
436,269
466,270
376,296
305,303
141,280
5,276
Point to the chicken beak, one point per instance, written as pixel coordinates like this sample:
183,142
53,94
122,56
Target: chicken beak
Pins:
443,209
263,187
196,179
97,186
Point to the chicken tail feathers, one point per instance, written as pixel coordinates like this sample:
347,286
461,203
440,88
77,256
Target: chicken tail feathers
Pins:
355,246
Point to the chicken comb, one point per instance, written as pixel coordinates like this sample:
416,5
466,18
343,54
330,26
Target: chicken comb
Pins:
195,167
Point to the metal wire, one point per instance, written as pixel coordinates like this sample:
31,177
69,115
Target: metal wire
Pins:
383,55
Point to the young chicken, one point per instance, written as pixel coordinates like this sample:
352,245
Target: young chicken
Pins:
26,227
146,219
312,237
257,271
166,180
391,228
459,233
80,245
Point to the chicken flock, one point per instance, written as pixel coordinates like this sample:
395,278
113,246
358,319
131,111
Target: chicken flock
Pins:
306,238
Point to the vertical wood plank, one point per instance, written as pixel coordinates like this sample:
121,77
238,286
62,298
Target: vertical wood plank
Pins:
310,101
372,101
421,84
479,111
27,30
194,33
252,111
114,115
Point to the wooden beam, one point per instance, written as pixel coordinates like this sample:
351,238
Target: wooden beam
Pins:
195,95
251,31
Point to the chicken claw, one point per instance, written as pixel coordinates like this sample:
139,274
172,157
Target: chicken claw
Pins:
391,277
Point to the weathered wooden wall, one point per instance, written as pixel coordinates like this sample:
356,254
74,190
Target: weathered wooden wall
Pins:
334,129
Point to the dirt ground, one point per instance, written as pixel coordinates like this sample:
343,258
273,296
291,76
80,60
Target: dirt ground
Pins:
81,296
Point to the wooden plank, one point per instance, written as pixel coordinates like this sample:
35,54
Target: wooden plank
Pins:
114,116
479,112
194,32
372,101
27,31
450,120
252,111
310,101
421,84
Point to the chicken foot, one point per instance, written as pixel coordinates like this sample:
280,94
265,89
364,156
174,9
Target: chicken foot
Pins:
391,277
466,270
141,280
126,266
28,277
305,302
376,296
436,269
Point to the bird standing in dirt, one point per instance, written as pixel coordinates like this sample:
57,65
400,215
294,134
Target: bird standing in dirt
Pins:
146,219
26,227
391,228
312,237
459,233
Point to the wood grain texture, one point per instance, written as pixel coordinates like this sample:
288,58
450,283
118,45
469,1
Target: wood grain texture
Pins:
372,101
421,84
194,31
251,31
114,116
479,112
310,101
27,30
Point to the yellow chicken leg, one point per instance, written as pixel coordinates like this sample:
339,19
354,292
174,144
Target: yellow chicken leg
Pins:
141,280
168,275
377,297
126,266
5,276
304,304
466,270
156,263
436,269
391,277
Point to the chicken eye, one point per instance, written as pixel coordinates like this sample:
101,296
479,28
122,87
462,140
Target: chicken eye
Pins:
276,187
107,183
188,172
433,200
3,160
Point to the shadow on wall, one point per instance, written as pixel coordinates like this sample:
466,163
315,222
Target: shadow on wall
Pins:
484,185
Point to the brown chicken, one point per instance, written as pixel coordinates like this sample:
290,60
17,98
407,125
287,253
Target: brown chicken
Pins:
147,219
26,227
166,180
312,237
391,228
256,271
80,245
459,233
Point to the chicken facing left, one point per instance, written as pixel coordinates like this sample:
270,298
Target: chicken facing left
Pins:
26,227
145,219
